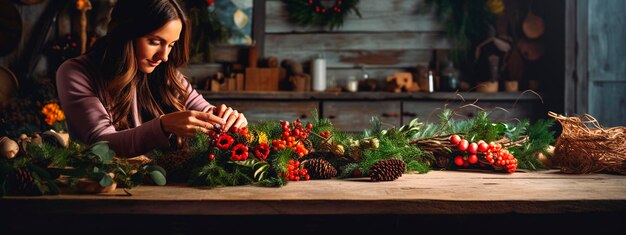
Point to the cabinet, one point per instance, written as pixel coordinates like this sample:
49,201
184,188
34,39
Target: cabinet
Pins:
272,110
352,112
354,116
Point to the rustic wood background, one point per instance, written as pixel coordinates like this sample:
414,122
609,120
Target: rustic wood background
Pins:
606,68
392,36
583,73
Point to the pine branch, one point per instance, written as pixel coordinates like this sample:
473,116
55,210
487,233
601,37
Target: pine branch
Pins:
540,137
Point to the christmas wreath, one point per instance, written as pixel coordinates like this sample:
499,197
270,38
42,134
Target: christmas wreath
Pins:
316,13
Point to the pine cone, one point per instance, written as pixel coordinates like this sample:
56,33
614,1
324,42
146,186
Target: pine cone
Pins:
22,182
175,164
387,170
319,168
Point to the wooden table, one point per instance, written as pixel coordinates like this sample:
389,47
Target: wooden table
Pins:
437,194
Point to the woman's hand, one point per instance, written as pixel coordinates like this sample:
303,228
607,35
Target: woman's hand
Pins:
232,117
187,123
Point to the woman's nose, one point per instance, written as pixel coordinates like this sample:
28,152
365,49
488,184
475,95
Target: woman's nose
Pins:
163,53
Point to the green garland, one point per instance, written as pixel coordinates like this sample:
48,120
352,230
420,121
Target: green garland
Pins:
43,169
313,12
269,153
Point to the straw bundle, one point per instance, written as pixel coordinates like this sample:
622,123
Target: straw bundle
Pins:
586,147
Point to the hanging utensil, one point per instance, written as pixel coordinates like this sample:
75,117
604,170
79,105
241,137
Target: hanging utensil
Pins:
533,26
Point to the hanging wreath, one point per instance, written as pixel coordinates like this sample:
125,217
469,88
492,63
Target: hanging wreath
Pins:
316,13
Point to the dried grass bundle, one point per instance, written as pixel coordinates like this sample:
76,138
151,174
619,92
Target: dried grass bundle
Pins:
586,147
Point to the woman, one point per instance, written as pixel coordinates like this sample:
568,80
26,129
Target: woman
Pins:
127,90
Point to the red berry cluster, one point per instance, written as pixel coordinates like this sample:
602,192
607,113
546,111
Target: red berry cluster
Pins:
292,137
325,134
492,152
294,173
499,156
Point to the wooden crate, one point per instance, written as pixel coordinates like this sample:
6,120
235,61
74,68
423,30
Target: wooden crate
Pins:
261,79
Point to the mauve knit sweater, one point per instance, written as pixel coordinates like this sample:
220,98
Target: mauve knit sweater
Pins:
88,121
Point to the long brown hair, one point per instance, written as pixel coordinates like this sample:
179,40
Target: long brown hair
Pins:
159,92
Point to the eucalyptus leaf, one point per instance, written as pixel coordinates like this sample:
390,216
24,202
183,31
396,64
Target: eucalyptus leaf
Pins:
102,151
158,178
151,168
109,157
106,181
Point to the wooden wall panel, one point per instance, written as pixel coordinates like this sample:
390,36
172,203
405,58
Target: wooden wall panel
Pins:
350,58
378,16
356,41
259,111
391,36
608,102
355,116
606,67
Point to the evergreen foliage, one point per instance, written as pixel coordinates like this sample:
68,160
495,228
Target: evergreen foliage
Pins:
540,136
465,21
215,165
307,13
46,163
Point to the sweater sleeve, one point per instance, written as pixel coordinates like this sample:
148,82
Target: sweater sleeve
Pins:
88,120
195,101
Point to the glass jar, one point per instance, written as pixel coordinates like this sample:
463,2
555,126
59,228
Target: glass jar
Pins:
449,78
352,84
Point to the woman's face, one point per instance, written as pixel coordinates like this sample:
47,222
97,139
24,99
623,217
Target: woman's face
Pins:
153,48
